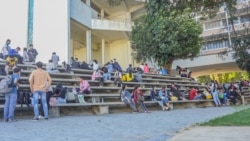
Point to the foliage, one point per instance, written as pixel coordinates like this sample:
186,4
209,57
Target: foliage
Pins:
224,77
240,118
165,34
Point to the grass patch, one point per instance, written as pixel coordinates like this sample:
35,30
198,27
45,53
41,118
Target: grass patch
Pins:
240,118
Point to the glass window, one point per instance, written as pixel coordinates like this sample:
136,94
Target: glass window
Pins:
213,24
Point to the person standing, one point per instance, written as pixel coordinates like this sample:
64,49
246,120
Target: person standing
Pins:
32,54
6,48
11,98
55,58
40,82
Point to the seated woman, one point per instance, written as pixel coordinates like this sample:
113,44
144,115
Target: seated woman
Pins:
126,98
140,99
84,86
193,94
97,75
164,99
233,94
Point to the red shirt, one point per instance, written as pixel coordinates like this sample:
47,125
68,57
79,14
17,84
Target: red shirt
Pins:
192,94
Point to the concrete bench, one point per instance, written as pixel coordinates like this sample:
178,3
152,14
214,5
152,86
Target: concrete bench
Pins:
97,108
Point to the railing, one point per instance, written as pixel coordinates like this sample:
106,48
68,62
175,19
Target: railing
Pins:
112,24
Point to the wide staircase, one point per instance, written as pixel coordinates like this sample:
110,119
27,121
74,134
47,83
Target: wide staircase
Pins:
106,99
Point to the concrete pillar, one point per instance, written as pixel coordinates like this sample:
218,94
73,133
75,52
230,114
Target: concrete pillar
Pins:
88,45
30,23
88,2
103,51
130,60
102,13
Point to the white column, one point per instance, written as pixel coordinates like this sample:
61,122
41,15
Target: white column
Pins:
103,51
88,2
88,45
102,13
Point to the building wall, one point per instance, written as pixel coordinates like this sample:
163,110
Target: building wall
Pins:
119,49
51,29
81,12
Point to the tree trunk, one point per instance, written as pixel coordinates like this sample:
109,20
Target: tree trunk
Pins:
168,66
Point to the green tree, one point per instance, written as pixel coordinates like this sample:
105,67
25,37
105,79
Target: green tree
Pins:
164,34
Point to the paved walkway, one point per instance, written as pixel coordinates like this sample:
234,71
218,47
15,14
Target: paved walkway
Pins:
156,126
214,134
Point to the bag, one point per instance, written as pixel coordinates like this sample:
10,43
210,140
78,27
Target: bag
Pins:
208,96
52,101
173,98
81,98
221,96
70,96
6,85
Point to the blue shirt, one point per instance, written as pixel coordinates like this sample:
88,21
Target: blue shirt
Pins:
13,52
15,77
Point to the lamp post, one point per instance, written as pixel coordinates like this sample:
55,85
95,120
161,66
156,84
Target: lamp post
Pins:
30,23
228,27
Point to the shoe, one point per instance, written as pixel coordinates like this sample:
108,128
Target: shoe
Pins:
12,120
169,109
40,117
163,108
46,118
35,119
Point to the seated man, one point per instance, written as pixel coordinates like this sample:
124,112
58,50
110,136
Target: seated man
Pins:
10,63
50,67
106,74
14,53
60,92
176,92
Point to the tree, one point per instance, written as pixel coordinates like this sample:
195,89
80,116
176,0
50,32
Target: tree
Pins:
164,34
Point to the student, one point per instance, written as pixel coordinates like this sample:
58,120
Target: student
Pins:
153,94
6,48
11,98
140,99
55,59
98,76
146,68
40,82
126,98
32,53
11,62
193,94
162,94
84,86
25,55
117,77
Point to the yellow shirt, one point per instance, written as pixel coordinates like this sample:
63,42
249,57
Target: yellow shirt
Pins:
11,61
39,80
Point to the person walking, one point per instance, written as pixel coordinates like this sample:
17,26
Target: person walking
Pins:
40,82
11,98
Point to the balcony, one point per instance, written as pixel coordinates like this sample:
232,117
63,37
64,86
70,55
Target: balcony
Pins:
112,24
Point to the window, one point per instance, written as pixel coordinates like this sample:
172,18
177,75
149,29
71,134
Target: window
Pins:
211,25
216,44
245,18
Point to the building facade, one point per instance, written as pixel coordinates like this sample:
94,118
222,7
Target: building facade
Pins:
93,29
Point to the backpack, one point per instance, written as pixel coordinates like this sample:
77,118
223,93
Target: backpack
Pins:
6,85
